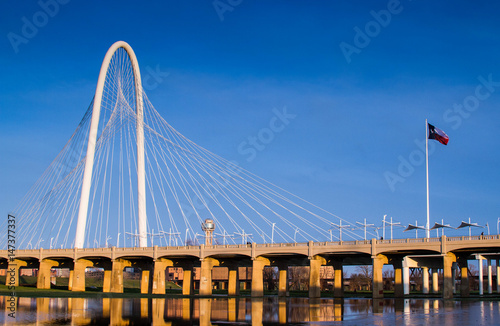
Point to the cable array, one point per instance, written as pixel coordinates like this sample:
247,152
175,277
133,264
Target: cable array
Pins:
185,184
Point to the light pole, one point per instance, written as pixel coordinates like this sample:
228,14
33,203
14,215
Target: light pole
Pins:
391,224
295,235
118,240
51,242
243,235
364,225
107,238
340,226
272,233
383,227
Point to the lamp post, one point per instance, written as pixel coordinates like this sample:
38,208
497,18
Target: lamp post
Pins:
383,227
391,224
295,235
272,233
340,227
364,225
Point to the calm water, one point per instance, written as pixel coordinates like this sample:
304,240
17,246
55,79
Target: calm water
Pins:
247,311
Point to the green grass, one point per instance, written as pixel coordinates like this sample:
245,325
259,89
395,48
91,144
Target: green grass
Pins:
93,288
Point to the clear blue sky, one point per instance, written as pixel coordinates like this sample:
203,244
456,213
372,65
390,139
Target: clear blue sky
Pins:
360,98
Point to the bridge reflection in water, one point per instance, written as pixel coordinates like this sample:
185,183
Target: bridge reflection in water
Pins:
244,310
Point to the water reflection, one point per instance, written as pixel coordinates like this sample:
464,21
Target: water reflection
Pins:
249,311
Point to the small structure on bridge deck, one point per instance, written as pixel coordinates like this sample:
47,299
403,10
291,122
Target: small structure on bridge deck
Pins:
208,227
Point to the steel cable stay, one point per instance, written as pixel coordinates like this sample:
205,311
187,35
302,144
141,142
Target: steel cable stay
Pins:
185,183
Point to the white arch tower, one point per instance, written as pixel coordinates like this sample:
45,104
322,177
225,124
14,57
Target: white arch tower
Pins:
89,159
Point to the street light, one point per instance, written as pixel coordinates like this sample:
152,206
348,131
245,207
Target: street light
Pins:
391,224
340,227
225,235
383,226
364,225
295,234
243,236
272,233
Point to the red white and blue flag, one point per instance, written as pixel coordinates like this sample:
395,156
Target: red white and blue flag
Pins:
438,134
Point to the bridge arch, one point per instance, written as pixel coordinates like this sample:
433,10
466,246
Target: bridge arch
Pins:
89,159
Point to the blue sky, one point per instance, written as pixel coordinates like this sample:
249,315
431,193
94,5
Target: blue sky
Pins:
357,115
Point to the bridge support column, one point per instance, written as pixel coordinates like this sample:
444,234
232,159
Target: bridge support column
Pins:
233,287
338,279
146,281
498,275
448,281
106,283
43,279
13,269
160,265
187,281
490,278
314,276
464,278
480,268
283,290
435,280
257,277
80,265
425,280
406,280
70,279
206,275
398,278
117,274
378,281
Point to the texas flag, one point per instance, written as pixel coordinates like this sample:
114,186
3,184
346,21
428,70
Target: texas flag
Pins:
438,134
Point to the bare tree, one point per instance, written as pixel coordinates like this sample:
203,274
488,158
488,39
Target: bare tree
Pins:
270,275
299,276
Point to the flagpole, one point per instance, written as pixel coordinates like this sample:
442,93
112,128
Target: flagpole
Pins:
427,232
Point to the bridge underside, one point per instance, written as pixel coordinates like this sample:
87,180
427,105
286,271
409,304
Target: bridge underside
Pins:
199,267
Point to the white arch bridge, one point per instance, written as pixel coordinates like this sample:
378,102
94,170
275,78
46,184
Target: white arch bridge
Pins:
128,189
